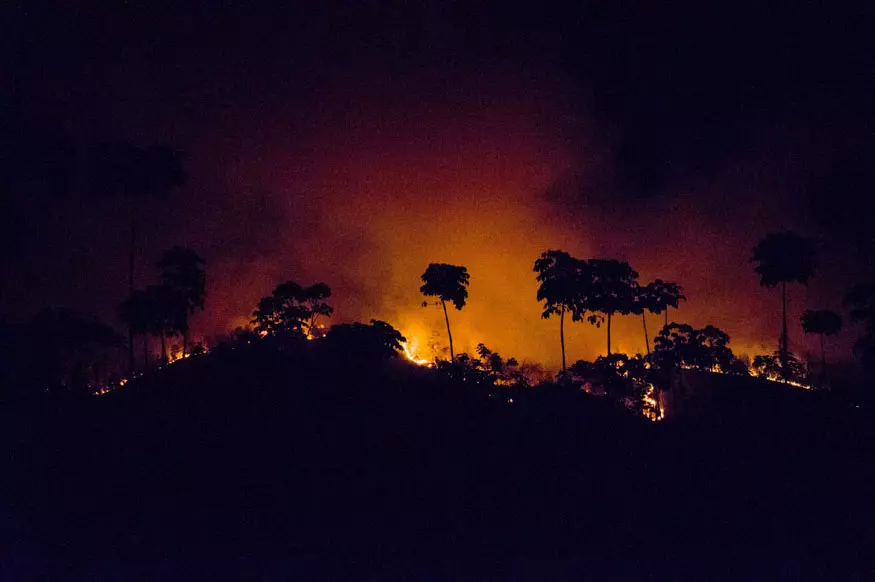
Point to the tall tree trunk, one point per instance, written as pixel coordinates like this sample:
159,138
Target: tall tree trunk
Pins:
145,351
449,333
666,316
646,338
784,342
562,334
822,359
131,362
132,365
609,334
163,350
184,340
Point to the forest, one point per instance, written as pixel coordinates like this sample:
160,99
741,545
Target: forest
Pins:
296,446
437,291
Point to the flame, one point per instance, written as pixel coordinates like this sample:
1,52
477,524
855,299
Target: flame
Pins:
755,374
410,352
651,404
775,378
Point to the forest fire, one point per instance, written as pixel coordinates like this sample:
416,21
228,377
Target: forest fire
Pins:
410,352
437,290
776,378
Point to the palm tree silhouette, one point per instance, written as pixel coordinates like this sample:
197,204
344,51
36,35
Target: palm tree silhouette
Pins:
822,322
447,283
861,300
182,271
559,276
783,258
609,288
644,302
665,295
655,297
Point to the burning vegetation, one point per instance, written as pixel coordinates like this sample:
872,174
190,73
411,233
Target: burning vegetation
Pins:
595,291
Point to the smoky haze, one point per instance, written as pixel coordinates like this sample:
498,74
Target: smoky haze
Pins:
312,162
362,188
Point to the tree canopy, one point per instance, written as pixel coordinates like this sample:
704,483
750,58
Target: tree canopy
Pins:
781,258
559,275
447,283
661,295
291,309
680,344
184,277
378,340
784,257
821,322
608,287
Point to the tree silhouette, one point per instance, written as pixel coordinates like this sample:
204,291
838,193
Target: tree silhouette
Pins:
165,310
783,258
861,301
779,367
314,297
608,287
559,276
641,304
682,345
822,322
291,310
447,283
134,173
281,312
492,361
136,312
655,297
182,272
375,341
71,348
664,295
619,377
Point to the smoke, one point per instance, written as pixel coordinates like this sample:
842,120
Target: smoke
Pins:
366,176
354,145
378,175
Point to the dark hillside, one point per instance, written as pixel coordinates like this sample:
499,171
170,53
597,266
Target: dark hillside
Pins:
261,464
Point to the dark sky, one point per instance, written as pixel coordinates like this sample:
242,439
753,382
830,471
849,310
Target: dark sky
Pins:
355,144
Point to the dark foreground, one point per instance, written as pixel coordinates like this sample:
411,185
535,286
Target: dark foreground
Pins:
266,466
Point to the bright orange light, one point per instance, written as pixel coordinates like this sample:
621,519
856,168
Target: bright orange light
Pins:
410,352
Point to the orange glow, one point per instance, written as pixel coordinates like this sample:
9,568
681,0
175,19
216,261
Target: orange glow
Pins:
411,351
774,378
488,183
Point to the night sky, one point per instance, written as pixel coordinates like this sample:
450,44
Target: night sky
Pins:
354,145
